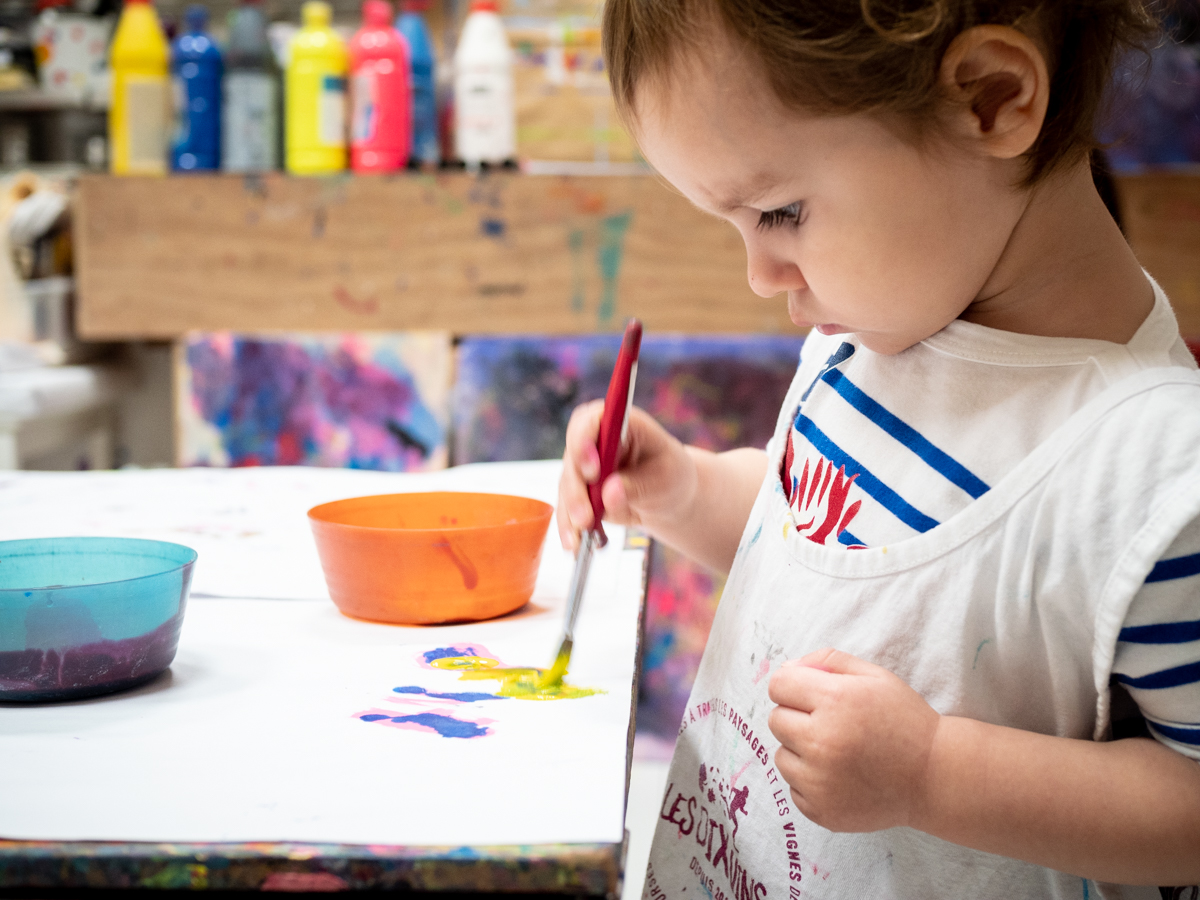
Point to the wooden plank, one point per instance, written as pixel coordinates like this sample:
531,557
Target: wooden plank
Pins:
500,253
1162,221
504,253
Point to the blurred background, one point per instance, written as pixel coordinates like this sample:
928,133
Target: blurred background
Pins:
261,232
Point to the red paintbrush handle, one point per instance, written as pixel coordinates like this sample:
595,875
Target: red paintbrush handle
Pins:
612,422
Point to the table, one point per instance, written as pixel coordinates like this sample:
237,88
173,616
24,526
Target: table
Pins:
257,763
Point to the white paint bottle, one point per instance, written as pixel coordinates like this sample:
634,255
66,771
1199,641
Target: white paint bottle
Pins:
485,126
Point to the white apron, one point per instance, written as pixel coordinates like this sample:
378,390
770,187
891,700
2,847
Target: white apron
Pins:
1007,613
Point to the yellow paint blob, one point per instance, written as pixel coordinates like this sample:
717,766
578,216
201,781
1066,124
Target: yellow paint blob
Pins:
464,662
518,683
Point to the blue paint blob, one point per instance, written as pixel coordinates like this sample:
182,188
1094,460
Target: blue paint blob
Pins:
372,717
447,653
446,726
493,228
461,696
978,650
757,535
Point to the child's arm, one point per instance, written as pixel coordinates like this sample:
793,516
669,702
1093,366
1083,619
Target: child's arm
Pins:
863,751
694,500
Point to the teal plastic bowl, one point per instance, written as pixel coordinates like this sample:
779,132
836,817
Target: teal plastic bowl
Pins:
81,616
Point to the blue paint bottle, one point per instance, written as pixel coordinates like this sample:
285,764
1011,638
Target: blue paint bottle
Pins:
196,81
411,24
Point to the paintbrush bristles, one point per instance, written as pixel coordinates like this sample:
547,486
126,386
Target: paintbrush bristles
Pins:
554,675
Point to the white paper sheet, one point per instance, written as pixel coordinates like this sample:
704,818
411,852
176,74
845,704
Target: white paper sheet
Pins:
256,733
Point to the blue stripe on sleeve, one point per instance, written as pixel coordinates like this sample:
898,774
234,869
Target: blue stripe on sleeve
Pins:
1167,678
1183,735
940,461
1179,567
1161,633
889,499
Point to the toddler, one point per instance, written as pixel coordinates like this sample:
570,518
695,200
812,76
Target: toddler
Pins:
958,652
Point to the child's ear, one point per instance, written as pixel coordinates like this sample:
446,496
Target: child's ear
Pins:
997,80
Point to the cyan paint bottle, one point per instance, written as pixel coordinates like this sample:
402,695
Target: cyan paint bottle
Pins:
423,61
196,81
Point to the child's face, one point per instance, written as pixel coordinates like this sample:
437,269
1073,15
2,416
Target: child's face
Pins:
864,231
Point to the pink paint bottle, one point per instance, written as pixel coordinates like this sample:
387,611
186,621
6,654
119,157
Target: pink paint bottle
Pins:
381,102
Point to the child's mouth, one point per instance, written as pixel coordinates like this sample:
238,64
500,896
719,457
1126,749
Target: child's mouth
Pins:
831,328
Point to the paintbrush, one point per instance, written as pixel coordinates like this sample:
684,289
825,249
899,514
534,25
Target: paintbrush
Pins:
613,426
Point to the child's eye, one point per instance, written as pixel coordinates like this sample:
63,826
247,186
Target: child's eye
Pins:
791,215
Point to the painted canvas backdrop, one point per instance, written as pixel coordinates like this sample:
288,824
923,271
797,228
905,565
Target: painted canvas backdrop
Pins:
513,397
1153,113
362,400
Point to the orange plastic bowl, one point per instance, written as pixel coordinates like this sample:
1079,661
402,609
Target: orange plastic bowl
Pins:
424,559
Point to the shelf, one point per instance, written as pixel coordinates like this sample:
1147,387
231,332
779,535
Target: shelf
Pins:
40,100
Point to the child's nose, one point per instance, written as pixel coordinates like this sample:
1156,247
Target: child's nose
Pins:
770,274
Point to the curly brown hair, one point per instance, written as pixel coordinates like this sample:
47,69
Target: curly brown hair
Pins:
883,56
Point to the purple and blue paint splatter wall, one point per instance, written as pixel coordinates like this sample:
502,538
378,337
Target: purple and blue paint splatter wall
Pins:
364,401
1152,117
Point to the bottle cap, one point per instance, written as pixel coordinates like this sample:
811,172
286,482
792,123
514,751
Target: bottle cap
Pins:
195,18
485,6
137,2
316,14
377,13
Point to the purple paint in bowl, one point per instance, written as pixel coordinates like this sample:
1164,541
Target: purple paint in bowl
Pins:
85,616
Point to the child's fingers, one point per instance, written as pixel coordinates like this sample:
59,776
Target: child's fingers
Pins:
790,726
794,769
615,495
574,508
568,531
801,688
583,430
581,462
836,661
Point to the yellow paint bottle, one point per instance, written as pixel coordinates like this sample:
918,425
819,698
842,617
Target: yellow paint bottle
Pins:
315,109
139,117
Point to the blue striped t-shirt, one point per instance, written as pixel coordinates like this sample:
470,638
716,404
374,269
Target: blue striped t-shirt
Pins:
883,448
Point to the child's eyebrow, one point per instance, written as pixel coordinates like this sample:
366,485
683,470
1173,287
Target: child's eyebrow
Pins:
748,193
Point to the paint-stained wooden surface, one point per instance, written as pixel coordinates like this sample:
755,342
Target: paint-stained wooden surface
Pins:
506,253
1162,221
502,253
30,869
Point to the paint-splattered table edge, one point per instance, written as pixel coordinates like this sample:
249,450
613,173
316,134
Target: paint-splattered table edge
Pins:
591,870
581,869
